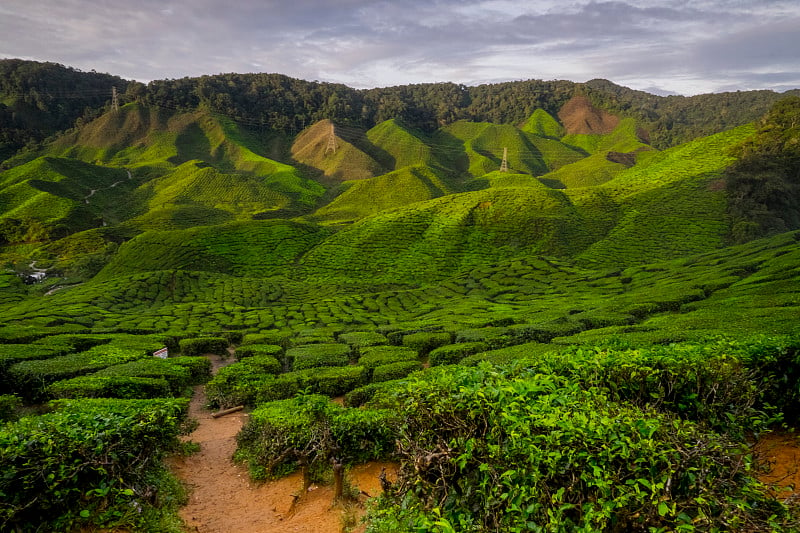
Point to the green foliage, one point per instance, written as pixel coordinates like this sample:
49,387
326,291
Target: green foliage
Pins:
110,386
423,342
453,353
250,350
318,355
376,356
393,371
57,475
363,395
763,183
29,378
466,456
363,339
240,382
204,345
8,406
329,381
282,435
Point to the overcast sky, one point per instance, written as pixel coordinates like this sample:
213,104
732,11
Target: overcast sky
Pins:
663,46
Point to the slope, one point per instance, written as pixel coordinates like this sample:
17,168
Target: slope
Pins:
344,160
363,198
670,204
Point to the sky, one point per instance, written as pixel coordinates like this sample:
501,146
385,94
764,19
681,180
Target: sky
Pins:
660,46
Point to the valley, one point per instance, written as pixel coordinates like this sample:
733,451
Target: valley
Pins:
571,319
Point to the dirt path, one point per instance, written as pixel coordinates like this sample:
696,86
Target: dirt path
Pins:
223,500
781,452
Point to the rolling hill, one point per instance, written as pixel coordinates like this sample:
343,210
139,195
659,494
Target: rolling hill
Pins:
575,268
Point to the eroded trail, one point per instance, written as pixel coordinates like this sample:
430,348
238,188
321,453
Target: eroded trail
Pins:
223,500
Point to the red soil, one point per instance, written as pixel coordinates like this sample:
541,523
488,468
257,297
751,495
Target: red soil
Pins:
224,500
580,116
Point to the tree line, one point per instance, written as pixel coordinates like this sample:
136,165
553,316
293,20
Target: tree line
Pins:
43,98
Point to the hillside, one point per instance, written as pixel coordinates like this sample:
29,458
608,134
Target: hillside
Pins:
534,290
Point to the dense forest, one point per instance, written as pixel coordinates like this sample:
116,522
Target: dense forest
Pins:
39,99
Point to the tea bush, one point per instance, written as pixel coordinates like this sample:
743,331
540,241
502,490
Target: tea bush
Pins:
239,383
318,355
203,345
453,353
394,371
283,435
259,349
110,386
57,475
481,450
329,381
9,403
30,378
425,342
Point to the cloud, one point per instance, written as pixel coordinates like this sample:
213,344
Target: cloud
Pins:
673,45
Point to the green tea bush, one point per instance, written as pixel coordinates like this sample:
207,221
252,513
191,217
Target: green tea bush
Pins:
362,339
383,355
311,431
239,383
318,355
9,403
259,349
57,469
29,378
177,375
362,395
394,371
453,353
203,345
280,338
10,354
330,381
492,337
199,368
423,343
110,386
482,450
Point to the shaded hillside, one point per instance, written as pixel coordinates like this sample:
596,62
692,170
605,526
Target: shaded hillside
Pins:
321,148
40,99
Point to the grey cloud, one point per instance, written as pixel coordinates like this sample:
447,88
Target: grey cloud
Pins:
649,43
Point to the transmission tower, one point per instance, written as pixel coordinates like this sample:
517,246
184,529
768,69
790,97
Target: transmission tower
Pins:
504,163
331,142
114,99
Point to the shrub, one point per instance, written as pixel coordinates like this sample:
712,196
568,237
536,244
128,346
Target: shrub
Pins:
318,355
362,395
199,368
239,383
383,355
331,381
425,342
395,370
108,386
576,458
492,337
177,376
9,403
57,472
279,338
204,345
311,431
362,339
30,378
453,353
258,349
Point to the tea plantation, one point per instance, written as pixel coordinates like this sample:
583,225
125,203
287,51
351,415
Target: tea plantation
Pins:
575,344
